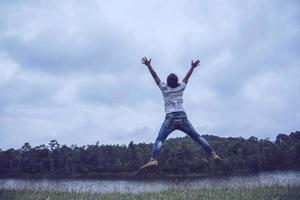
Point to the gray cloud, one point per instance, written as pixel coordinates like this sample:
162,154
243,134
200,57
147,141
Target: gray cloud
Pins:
63,38
71,70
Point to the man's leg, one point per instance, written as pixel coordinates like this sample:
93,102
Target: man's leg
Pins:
165,130
188,128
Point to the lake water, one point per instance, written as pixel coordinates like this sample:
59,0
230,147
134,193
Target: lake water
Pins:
103,186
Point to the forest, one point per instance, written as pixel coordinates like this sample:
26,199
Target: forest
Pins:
179,156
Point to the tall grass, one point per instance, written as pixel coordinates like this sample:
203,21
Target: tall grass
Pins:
230,193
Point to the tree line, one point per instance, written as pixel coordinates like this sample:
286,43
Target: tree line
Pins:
179,156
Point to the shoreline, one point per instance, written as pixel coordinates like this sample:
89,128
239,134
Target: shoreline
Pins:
134,176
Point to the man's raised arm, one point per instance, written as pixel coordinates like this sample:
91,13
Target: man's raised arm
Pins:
147,62
193,66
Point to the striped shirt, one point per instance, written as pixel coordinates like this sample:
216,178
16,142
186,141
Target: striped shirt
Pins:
173,97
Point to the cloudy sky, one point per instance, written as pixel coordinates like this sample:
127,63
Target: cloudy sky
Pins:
71,71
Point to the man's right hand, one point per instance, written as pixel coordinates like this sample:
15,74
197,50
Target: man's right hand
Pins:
195,64
146,62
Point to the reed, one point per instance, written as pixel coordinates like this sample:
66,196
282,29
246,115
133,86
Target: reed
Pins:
230,193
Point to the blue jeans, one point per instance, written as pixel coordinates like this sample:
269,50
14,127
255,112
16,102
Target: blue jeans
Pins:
178,121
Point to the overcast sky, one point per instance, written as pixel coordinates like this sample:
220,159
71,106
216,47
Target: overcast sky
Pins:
71,70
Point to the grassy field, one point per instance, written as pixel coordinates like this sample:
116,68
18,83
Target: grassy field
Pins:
257,193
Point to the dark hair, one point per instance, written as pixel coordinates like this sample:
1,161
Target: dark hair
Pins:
172,81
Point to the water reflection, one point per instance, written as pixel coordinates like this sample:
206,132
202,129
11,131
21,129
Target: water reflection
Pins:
103,186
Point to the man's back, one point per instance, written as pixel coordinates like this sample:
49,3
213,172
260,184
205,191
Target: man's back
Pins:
173,97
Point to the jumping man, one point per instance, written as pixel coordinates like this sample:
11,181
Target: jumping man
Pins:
176,118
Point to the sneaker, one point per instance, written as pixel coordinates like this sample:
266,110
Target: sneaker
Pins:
152,164
214,156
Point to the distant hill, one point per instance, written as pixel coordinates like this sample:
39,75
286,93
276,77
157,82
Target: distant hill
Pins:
179,156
